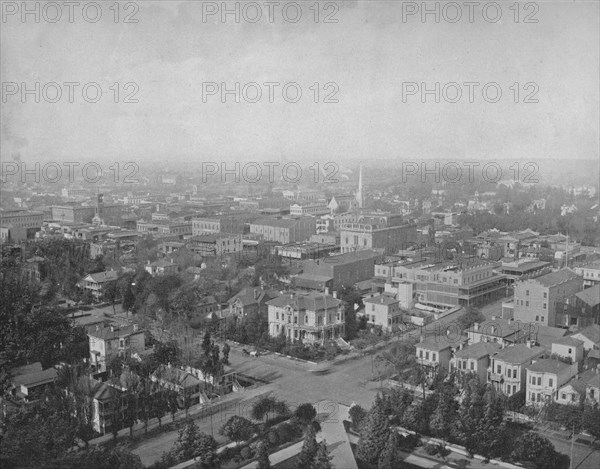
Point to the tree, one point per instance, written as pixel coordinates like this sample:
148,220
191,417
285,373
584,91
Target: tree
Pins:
351,298
167,352
226,350
158,406
390,457
591,420
470,317
192,443
322,458
207,344
309,448
42,430
537,451
238,429
263,455
374,434
357,415
305,413
99,457
267,405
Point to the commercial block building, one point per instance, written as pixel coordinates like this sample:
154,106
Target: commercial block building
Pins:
390,239
209,245
284,230
536,299
20,224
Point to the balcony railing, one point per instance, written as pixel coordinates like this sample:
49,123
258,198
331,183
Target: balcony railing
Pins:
496,377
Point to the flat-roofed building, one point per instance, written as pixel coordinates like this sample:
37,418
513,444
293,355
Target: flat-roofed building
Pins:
19,225
284,230
536,299
590,271
434,354
218,244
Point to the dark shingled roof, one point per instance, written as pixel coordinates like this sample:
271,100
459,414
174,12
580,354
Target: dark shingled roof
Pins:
520,353
478,350
590,296
554,278
548,366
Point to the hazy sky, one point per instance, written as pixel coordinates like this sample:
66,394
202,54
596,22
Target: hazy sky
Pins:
369,53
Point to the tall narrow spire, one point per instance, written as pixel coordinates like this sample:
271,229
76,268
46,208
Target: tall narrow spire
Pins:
359,193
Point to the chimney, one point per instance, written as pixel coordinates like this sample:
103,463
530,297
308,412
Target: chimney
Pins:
335,294
327,290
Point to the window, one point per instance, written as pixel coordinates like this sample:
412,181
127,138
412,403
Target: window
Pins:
537,318
420,353
550,382
545,295
527,303
545,306
533,380
499,370
539,382
563,396
426,355
542,318
433,357
515,373
373,307
532,397
305,319
472,365
570,350
527,292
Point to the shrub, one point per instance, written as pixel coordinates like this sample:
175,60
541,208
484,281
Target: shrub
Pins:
273,438
316,425
430,449
246,453
287,432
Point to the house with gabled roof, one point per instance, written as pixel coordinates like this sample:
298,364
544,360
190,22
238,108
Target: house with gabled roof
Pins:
574,392
250,300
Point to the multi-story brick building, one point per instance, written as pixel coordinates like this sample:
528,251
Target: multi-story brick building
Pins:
311,316
340,270
508,367
20,224
210,245
234,223
390,239
284,230
536,299
73,213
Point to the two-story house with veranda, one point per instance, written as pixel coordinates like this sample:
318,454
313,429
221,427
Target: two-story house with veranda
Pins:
311,316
